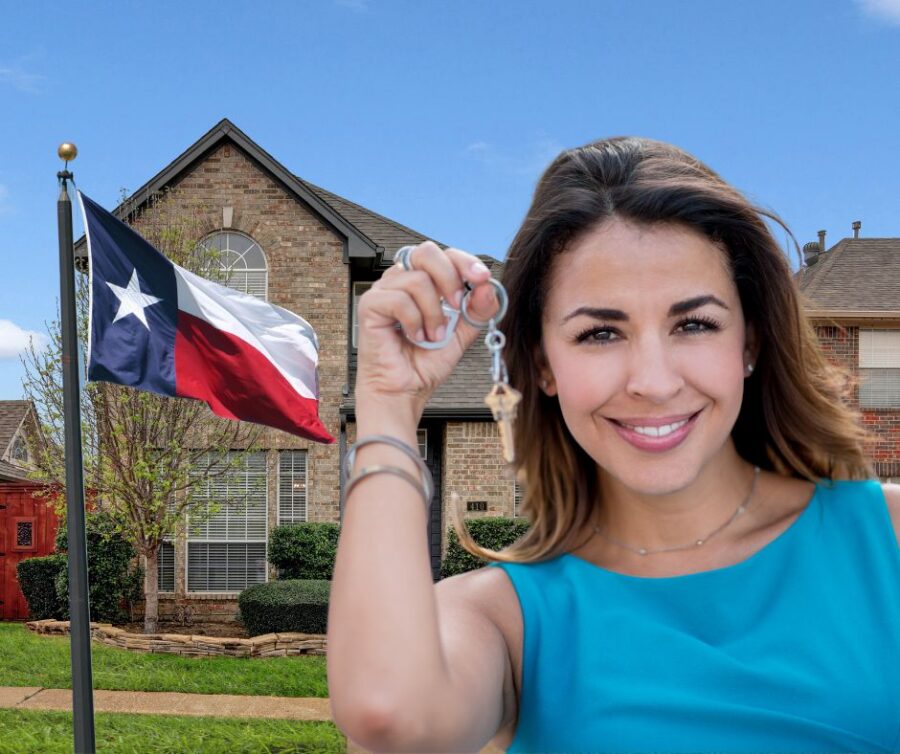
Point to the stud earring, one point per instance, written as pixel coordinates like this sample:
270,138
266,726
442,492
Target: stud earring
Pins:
749,369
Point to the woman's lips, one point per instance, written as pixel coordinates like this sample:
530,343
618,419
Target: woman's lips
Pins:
655,444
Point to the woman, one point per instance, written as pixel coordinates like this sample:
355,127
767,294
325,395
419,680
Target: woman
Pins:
692,580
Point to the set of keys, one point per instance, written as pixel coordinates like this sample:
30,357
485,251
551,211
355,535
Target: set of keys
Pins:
503,400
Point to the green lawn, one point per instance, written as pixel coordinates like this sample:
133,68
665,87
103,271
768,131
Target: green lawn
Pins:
27,659
33,732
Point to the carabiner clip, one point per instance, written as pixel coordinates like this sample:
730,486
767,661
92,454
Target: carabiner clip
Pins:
453,316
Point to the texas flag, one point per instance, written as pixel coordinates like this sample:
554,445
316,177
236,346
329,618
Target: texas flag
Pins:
156,326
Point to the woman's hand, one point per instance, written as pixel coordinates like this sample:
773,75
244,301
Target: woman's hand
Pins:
393,370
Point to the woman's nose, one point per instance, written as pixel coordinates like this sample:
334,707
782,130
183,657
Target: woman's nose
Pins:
652,372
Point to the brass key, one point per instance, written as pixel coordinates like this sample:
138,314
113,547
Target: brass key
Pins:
503,401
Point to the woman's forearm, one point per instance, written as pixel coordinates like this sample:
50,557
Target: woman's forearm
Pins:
384,649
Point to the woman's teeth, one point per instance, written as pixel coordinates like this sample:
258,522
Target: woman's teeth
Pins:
665,429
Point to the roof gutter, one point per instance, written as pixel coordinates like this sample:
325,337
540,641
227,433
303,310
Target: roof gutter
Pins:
842,315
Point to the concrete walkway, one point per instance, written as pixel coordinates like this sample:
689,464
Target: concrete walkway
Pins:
173,703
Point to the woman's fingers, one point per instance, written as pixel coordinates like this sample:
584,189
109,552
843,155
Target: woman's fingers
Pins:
420,287
395,305
443,274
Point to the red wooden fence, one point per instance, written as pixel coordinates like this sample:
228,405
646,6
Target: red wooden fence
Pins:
27,530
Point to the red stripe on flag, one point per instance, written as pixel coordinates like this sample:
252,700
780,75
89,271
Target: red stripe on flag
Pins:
239,382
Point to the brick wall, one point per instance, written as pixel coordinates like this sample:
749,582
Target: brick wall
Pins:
474,468
306,275
841,346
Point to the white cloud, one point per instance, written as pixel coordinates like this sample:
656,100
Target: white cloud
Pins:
14,340
530,161
886,10
18,78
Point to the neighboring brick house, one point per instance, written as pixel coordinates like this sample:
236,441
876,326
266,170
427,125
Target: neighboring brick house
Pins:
313,252
853,299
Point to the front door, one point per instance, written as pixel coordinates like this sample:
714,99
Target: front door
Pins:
431,437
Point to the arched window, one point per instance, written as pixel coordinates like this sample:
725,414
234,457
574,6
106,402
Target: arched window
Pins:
239,260
19,450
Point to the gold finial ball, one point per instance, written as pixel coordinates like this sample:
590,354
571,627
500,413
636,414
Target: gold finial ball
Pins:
67,151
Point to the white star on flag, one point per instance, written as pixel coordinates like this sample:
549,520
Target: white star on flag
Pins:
132,300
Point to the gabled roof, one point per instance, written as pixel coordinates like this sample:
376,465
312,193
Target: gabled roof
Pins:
367,234
856,275
12,417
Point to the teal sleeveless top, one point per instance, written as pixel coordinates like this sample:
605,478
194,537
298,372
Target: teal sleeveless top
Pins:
795,649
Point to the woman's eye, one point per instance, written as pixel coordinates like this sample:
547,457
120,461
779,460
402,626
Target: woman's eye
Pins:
597,335
698,325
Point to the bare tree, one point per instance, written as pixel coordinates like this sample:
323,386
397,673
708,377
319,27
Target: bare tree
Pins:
145,455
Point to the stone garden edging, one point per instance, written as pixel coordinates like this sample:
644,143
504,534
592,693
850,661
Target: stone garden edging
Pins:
267,645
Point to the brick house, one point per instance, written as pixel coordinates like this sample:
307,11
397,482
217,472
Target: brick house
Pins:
852,293
313,252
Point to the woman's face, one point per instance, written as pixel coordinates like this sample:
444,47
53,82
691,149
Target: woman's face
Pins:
646,348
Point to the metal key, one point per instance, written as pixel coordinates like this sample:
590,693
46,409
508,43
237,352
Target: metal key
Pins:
503,401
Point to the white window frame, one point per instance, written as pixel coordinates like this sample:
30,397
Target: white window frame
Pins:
305,486
879,351
204,539
226,272
359,288
19,445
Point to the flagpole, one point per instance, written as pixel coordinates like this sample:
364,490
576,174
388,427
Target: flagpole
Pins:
79,606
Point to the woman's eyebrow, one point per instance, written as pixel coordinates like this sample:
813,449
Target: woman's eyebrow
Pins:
618,315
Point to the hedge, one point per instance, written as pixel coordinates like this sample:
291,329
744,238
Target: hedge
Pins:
493,532
115,580
37,578
304,551
299,605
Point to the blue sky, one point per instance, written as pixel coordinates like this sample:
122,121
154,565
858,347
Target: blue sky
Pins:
442,114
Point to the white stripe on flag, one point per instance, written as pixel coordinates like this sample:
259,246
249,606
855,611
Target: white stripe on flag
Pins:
287,340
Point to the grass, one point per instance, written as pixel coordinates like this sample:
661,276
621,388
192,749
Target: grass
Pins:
27,659
36,732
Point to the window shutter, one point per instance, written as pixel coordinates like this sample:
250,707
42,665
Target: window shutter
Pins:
165,567
292,487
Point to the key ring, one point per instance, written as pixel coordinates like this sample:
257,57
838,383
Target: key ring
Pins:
453,316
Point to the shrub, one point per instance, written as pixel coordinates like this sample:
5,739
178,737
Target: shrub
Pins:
37,578
494,532
115,581
291,605
304,551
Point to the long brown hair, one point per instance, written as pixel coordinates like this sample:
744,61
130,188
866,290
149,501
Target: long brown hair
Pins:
793,419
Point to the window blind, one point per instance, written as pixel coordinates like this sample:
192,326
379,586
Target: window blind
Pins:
879,368
292,487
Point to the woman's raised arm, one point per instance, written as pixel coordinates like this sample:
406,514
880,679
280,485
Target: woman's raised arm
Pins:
401,676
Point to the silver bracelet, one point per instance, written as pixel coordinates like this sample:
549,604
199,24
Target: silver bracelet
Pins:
382,469
427,481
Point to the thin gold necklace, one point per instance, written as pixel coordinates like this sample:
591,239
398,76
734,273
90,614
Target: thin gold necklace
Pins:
697,542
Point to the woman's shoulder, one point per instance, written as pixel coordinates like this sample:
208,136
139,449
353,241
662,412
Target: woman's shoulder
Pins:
881,497
892,499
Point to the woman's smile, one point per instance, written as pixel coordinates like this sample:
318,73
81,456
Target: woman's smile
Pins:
655,435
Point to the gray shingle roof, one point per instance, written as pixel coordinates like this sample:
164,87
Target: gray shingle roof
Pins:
10,473
12,413
856,274
387,233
